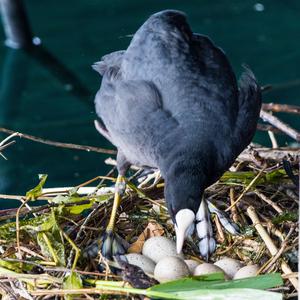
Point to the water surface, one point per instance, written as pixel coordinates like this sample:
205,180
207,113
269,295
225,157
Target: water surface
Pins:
35,99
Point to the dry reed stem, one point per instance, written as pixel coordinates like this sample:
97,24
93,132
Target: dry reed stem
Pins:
279,252
219,230
273,139
235,216
270,244
268,201
246,189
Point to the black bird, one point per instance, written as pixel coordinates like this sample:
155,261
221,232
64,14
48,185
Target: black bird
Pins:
171,101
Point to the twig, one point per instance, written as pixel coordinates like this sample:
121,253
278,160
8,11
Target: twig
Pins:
246,189
81,191
89,216
234,213
24,202
109,290
279,252
269,243
269,201
273,154
8,138
274,107
3,145
219,230
18,197
286,276
268,127
273,139
11,213
280,125
58,144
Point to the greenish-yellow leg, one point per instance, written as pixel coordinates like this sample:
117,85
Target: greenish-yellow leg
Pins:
112,243
119,190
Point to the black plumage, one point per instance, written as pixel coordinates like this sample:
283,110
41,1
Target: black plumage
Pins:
171,101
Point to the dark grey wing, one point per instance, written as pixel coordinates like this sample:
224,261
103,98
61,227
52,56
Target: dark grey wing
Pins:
215,62
131,111
112,60
189,71
108,67
217,71
249,109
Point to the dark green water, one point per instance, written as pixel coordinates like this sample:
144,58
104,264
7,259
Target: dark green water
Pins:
33,100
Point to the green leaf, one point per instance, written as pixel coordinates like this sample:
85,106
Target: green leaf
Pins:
72,281
47,232
275,176
286,216
10,265
195,283
136,189
246,177
78,209
237,177
74,209
227,294
16,266
51,248
181,293
32,225
40,224
8,232
40,280
37,191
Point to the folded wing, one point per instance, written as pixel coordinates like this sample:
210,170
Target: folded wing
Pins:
248,112
131,115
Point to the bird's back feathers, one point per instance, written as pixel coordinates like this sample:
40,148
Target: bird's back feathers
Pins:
173,90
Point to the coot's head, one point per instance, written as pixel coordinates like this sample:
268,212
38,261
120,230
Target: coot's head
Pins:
183,193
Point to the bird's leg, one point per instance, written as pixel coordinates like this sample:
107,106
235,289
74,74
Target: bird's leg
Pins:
119,191
112,243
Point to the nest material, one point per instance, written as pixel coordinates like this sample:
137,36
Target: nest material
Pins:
40,241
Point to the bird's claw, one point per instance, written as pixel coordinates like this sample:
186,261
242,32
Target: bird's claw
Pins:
207,243
92,250
226,222
112,245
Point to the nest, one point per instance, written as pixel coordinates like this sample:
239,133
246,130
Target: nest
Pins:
42,241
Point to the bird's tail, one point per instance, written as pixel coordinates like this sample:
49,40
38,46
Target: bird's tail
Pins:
249,108
109,61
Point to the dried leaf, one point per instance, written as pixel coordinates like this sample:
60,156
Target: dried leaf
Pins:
152,229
